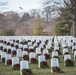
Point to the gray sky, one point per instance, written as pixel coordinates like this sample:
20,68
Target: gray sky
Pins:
14,5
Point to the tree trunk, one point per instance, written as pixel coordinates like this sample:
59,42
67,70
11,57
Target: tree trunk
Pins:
74,28
69,29
74,22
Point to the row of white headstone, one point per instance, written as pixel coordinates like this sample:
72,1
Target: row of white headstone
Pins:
54,61
69,43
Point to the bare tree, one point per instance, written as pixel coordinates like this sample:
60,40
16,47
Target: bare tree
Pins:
71,9
35,13
47,13
25,17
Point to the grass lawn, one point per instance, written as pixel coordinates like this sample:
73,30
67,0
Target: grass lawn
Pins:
7,70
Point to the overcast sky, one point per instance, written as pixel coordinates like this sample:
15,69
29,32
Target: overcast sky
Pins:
14,5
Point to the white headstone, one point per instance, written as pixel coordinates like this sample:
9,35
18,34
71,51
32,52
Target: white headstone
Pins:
31,47
35,44
4,46
41,46
29,43
65,50
48,46
40,59
54,53
24,65
73,47
15,43
13,48
19,53
25,46
54,63
20,45
38,51
32,55
69,43
68,56
56,47
3,54
45,51
7,57
15,60
63,44
24,53
8,47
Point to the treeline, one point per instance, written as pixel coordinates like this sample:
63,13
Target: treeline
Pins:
65,10
8,20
